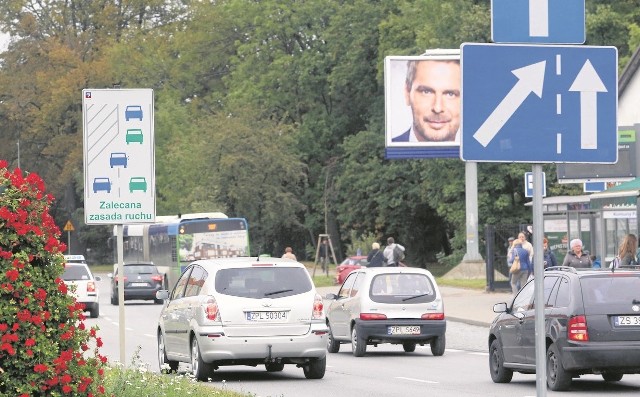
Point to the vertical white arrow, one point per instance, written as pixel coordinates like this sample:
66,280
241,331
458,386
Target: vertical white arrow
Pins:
539,18
588,83
530,79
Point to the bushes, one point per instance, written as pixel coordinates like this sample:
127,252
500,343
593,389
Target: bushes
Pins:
45,348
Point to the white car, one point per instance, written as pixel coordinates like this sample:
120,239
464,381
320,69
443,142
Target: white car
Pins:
397,305
82,284
243,311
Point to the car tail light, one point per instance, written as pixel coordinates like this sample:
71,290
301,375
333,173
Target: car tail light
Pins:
433,316
372,316
577,329
124,279
211,310
318,308
157,278
91,286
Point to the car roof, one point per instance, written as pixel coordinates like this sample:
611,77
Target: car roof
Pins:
394,270
247,261
590,271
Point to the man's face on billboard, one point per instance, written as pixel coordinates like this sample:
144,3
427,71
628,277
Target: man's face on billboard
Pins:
434,97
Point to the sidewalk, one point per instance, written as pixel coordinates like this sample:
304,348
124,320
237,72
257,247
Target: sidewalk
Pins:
468,306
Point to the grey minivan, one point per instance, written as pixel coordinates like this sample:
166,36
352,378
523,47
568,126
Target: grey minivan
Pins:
243,311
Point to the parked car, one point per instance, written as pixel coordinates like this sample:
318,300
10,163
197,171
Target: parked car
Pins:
82,284
398,305
348,265
243,311
592,323
141,282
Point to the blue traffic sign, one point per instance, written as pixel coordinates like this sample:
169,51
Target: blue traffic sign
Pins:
528,184
538,21
539,104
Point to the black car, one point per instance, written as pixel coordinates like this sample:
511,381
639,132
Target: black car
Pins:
592,323
141,281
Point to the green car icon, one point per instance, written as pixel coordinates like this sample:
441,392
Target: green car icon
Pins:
134,135
137,183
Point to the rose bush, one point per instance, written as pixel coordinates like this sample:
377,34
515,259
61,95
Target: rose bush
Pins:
45,348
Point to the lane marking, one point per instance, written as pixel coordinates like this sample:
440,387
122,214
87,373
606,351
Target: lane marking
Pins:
416,380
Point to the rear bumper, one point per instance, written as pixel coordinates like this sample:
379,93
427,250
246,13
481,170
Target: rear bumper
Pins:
600,357
225,350
378,330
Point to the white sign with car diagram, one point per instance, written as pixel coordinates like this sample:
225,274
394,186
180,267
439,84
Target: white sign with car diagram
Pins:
119,161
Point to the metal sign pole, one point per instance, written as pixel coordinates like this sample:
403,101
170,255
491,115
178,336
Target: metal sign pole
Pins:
120,280
538,267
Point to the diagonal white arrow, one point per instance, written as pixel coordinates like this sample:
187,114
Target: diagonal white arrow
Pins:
530,79
539,18
588,83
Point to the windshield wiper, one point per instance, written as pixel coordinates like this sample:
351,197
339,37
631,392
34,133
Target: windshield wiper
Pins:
277,292
415,296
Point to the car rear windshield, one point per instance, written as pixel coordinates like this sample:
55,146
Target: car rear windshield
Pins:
402,288
75,273
610,289
263,282
139,269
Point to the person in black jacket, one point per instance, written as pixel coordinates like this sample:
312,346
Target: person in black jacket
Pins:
375,257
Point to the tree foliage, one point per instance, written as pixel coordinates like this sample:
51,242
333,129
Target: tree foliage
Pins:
268,110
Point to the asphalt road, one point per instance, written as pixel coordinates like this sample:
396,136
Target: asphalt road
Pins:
385,371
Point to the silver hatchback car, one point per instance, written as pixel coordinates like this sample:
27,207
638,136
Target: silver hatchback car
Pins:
243,311
397,305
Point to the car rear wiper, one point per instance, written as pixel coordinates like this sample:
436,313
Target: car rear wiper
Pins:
278,292
415,296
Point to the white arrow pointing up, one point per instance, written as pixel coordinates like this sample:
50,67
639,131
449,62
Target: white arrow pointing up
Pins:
530,79
539,18
588,83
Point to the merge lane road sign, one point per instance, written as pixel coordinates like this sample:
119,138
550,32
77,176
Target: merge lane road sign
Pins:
539,104
538,21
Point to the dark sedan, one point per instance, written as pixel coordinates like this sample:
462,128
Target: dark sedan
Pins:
141,281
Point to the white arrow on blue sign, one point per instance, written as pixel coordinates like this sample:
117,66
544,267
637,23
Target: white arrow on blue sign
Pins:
538,21
539,104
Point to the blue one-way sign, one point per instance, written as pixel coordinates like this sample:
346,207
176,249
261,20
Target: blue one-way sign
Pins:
538,21
539,104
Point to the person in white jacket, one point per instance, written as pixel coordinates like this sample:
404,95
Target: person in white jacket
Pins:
388,252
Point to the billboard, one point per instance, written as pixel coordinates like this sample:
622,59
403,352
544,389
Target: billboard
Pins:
422,105
625,169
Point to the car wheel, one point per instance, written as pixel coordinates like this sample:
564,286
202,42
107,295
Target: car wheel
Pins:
163,361
274,367
612,376
315,368
114,300
438,345
409,347
558,379
158,301
358,344
199,369
333,346
499,374
95,311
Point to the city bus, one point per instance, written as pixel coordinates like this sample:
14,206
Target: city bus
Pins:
175,241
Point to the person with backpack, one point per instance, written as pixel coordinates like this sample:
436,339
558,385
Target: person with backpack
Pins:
393,253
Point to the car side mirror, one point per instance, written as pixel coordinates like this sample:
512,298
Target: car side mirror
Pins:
500,307
331,296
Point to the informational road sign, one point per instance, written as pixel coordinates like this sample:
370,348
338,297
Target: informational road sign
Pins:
119,161
528,184
539,104
538,21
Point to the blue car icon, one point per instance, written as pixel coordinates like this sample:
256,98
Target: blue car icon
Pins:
133,112
101,184
118,159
